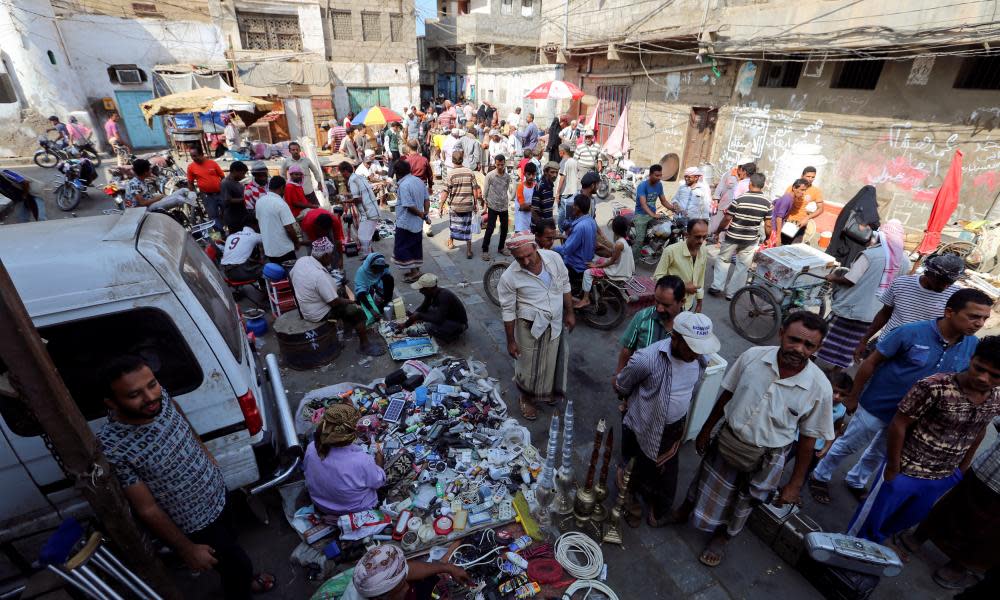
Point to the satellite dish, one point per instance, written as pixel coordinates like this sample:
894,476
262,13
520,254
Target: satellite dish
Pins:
671,164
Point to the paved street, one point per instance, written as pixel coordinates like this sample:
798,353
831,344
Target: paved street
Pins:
659,563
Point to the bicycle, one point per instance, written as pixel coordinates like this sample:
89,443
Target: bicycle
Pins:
758,309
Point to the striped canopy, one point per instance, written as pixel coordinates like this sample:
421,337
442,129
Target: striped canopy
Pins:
376,115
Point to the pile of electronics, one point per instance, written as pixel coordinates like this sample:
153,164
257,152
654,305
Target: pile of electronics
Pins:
457,468
454,461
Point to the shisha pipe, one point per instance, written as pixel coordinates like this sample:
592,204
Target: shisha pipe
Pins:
600,513
584,504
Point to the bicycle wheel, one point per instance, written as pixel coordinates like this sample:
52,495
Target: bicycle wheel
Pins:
491,279
67,196
46,159
755,314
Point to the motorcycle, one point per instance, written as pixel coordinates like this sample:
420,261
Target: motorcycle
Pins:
610,300
51,153
75,176
660,232
620,175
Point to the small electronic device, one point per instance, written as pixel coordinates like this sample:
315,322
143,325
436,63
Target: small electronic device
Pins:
394,412
856,554
409,438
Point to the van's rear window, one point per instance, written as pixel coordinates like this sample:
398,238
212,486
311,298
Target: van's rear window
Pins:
80,349
212,293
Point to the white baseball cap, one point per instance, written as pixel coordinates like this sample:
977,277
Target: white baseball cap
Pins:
696,329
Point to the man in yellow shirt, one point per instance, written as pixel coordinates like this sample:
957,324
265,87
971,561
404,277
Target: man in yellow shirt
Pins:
687,259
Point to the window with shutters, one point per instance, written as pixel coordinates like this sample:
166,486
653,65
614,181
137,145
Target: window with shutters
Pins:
260,31
371,31
395,28
340,23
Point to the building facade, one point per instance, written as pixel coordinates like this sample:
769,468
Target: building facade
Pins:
317,59
84,59
869,93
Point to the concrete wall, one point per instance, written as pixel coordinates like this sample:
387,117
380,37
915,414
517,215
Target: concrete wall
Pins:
484,25
900,138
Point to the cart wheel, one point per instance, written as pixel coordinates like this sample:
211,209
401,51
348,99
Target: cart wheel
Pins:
755,314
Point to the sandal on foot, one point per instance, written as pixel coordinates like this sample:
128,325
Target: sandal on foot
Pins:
486,257
655,523
263,583
820,490
528,409
713,554
633,514
859,493
949,582
411,278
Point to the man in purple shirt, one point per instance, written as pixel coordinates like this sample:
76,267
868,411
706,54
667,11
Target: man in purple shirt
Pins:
783,205
341,477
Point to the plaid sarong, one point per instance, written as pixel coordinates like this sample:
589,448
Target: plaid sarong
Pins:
839,344
461,226
723,496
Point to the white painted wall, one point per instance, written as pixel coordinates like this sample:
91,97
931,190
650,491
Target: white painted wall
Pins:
516,82
311,26
143,42
29,32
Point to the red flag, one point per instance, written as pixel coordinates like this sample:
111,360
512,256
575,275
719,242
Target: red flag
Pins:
944,204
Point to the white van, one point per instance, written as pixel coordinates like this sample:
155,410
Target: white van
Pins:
134,283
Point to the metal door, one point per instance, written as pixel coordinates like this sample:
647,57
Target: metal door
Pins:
701,131
362,98
612,101
139,134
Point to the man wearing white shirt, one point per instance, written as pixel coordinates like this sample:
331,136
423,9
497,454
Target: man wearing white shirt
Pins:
514,118
448,146
363,196
693,198
277,225
498,146
307,166
239,247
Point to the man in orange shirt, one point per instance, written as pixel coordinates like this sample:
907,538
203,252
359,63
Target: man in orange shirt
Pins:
208,175
807,207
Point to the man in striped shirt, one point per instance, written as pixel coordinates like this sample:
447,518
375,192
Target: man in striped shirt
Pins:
660,381
742,225
588,156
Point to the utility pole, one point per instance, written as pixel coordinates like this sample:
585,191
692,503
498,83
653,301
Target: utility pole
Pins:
565,43
42,392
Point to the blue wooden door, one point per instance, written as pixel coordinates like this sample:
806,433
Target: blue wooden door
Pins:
139,134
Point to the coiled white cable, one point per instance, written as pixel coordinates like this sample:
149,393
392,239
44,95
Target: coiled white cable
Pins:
579,555
589,585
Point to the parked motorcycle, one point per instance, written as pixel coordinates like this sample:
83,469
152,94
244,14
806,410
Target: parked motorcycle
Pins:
75,177
620,175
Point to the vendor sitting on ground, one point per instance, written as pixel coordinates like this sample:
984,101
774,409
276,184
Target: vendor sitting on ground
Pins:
383,573
316,295
441,311
373,284
341,477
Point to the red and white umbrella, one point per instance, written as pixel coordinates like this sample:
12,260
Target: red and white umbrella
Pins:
556,90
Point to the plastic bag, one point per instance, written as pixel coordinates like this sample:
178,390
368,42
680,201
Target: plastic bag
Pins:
334,587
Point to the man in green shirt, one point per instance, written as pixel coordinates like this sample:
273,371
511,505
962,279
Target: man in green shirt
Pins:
653,323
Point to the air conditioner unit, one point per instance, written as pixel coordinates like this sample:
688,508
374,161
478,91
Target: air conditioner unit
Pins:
128,76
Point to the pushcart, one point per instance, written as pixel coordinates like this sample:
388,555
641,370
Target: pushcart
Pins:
758,309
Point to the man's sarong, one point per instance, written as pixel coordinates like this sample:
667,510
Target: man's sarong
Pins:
724,496
540,371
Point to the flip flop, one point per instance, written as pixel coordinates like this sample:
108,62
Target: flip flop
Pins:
950,584
411,278
486,257
859,493
528,410
661,522
820,490
713,554
265,582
